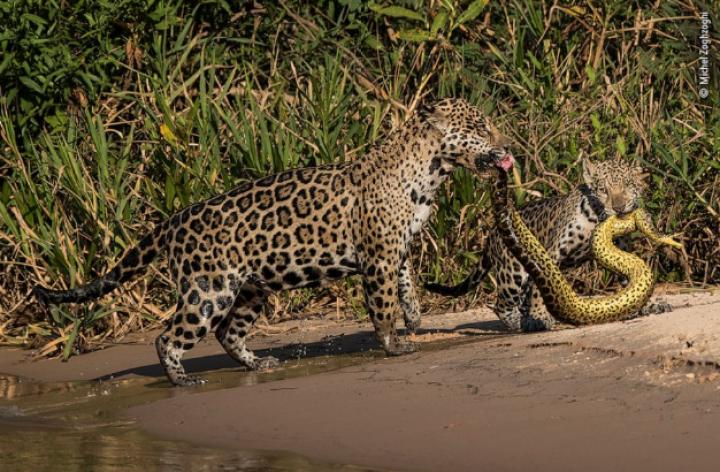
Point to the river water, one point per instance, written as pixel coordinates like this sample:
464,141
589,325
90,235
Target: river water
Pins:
81,426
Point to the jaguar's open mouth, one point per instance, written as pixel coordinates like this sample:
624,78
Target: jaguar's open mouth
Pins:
488,161
505,162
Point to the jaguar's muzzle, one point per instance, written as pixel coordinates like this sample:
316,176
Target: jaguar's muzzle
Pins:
504,161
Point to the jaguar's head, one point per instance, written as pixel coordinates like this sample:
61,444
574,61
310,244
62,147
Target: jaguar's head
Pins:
468,137
617,184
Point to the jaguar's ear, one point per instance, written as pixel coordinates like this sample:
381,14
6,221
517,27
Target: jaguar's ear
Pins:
640,173
498,139
438,116
588,170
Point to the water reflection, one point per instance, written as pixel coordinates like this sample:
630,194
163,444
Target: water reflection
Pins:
78,426
122,448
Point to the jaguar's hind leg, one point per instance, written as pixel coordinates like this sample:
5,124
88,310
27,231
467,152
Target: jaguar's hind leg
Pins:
170,349
234,328
511,280
408,297
536,316
204,302
510,298
509,313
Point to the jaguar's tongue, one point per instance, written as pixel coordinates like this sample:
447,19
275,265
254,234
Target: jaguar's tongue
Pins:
506,161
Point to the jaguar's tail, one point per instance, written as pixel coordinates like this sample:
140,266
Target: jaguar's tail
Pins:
470,282
133,263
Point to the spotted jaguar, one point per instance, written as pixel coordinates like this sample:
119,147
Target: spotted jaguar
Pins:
302,228
564,225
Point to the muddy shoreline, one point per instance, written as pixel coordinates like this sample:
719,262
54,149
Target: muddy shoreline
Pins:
624,396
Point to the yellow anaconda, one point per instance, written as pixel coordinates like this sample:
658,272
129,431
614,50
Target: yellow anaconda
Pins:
560,299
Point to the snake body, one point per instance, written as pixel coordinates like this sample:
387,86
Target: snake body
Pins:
560,299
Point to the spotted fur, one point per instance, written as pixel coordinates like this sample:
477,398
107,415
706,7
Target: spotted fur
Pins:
302,228
563,225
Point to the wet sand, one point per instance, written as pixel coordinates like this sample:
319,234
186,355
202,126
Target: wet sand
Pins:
636,395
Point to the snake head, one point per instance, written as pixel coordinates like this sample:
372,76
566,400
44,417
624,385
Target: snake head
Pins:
670,241
645,225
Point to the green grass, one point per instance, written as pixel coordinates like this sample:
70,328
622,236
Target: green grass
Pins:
110,123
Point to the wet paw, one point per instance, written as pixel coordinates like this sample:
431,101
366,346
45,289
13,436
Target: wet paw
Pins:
662,307
189,381
402,347
532,325
266,363
655,308
412,324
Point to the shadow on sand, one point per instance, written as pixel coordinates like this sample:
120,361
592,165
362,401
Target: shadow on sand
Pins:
344,344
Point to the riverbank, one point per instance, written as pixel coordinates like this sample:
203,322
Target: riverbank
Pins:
633,395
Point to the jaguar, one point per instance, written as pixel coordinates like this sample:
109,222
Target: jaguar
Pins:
558,295
564,225
305,227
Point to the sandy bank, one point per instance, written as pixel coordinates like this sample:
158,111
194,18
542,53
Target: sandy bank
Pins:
637,395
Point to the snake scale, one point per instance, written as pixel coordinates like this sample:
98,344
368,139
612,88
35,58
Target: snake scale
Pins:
560,299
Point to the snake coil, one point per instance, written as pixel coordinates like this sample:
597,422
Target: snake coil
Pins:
560,299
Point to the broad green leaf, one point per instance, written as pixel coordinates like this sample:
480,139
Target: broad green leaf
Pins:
396,12
35,19
31,84
620,145
373,42
439,22
9,56
416,35
472,11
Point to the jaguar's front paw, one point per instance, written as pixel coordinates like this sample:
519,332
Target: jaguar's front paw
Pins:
655,308
403,347
267,363
412,324
533,325
188,381
262,363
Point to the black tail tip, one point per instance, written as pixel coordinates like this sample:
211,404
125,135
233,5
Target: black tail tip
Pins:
41,294
438,288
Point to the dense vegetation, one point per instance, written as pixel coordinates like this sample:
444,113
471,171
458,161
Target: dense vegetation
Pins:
115,114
